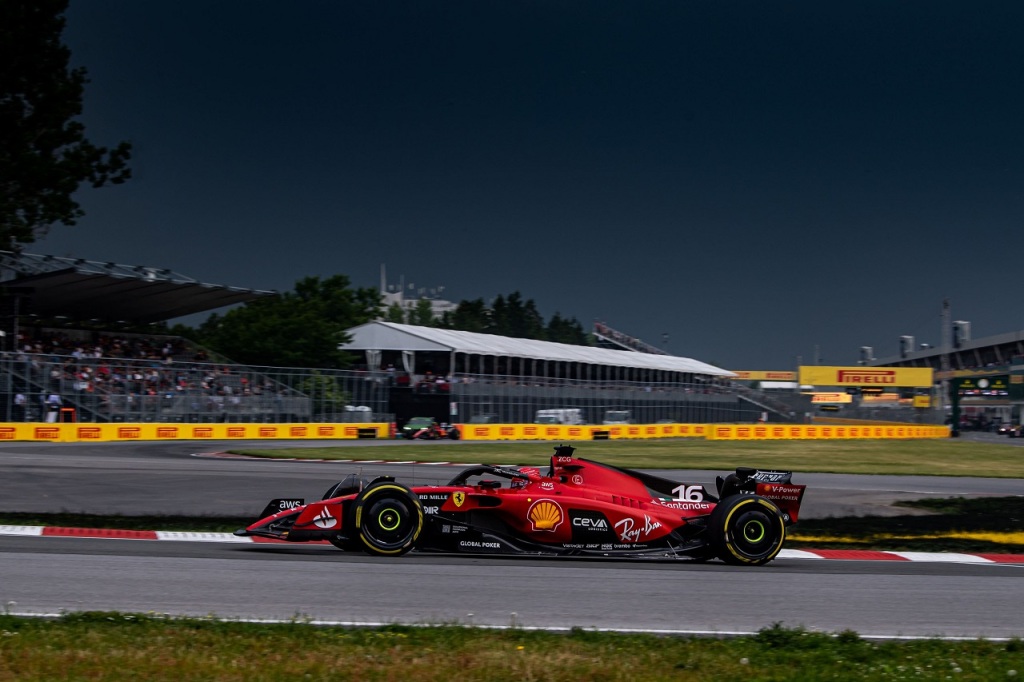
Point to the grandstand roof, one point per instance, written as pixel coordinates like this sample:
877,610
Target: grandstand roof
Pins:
380,335
51,286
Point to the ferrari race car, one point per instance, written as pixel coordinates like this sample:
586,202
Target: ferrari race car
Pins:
578,507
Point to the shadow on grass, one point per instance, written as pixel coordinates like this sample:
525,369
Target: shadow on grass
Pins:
1001,519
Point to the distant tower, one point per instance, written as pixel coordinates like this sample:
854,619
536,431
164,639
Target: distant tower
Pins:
867,354
906,346
961,333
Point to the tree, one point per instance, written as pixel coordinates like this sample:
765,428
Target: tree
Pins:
513,317
422,314
44,154
468,316
562,330
302,328
395,313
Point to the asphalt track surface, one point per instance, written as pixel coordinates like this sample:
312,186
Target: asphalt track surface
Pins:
43,575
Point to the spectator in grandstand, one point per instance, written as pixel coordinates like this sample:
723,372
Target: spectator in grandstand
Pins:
20,407
53,405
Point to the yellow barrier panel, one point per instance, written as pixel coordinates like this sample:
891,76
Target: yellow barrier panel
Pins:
84,433
97,433
525,431
578,432
823,432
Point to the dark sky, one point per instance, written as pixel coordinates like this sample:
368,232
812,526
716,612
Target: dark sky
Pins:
757,180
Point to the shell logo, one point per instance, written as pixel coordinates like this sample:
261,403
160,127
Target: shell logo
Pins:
545,515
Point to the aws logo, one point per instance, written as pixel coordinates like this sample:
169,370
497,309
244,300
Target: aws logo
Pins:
545,515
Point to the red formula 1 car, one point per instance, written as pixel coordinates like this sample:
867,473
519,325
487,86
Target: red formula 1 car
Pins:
578,507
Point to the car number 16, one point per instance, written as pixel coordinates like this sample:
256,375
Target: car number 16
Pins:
689,493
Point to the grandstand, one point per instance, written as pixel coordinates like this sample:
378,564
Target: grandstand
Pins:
51,307
961,363
103,376
465,376
613,339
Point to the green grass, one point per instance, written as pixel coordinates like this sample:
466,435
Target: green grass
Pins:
939,457
103,647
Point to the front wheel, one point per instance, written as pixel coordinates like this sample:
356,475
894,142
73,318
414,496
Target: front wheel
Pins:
747,530
388,519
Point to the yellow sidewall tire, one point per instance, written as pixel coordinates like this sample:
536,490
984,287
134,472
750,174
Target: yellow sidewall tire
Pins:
388,519
747,530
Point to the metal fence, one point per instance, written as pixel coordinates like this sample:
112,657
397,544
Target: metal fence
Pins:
517,399
103,389
47,387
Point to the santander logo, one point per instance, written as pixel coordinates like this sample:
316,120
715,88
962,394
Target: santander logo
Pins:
325,519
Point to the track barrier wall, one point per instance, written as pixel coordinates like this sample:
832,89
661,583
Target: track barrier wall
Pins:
575,432
822,432
84,433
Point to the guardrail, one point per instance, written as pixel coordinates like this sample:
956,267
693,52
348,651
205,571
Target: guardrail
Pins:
96,433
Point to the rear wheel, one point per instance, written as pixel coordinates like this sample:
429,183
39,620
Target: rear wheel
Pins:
388,519
747,530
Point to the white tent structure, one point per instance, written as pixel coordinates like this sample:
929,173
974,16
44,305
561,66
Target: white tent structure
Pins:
471,353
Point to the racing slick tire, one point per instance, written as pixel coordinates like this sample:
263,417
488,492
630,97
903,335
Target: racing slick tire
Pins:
387,519
746,530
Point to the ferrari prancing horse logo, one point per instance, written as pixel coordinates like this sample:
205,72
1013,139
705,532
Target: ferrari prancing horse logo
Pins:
458,498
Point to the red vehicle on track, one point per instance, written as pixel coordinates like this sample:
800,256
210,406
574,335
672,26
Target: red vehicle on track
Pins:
578,507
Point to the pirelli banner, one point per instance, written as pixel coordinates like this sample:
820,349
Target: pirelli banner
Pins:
579,432
822,432
138,432
763,375
831,398
876,377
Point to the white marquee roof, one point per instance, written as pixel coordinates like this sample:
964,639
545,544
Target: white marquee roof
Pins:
379,335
